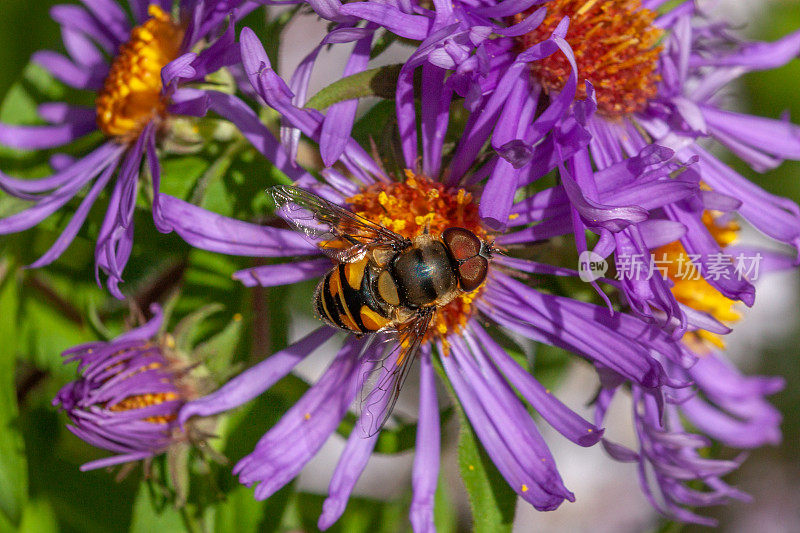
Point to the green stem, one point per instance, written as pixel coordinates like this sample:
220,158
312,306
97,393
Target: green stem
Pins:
380,82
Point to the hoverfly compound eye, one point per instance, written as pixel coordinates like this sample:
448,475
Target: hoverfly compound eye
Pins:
462,243
472,272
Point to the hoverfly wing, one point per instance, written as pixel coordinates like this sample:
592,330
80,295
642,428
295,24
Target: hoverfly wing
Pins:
381,385
339,233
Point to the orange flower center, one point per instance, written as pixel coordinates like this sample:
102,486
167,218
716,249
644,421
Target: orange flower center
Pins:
140,401
131,95
407,208
616,49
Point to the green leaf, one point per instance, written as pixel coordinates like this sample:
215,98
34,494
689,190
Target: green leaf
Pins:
493,502
39,517
380,82
240,512
148,517
13,465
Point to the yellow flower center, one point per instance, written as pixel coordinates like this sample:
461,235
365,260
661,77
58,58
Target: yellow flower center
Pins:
407,208
616,49
689,286
131,94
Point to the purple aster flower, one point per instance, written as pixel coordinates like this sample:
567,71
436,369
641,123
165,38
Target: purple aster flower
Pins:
631,86
484,376
128,394
136,73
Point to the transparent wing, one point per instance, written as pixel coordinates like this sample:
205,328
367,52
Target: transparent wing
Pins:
341,234
381,385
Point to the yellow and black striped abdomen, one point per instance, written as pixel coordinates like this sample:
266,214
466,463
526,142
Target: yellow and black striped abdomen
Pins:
344,298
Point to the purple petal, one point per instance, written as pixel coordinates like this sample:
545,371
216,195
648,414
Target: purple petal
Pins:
76,18
558,415
216,233
289,445
42,137
257,379
409,26
77,221
283,274
340,117
79,77
425,472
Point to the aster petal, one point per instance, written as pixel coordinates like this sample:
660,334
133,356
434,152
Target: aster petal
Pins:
283,274
257,379
251,127
700,244
340,117
435,109
754,56
425,473
79,77
779,138
658,232
47,205
277,94
77,124
777,217
506,8
592,213
513,422
498,195
732,431
111,15
330,10
414,27
223,52
553,227
78,19
147,330
277,457
562,418
497,449
113,460
217,233
81,49
356,453
553,320
71,230
351,464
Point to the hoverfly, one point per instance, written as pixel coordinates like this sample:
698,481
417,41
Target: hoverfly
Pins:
383,282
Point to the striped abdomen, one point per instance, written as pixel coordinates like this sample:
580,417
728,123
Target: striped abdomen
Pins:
344,298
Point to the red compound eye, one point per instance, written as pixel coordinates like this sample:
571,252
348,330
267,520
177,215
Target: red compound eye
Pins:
462,243
472,273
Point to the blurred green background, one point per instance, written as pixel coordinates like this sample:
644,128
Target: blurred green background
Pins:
63,499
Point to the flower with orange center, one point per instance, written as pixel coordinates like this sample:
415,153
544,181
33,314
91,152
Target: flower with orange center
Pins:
616,49
130,69
131,95
408,208
128,393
